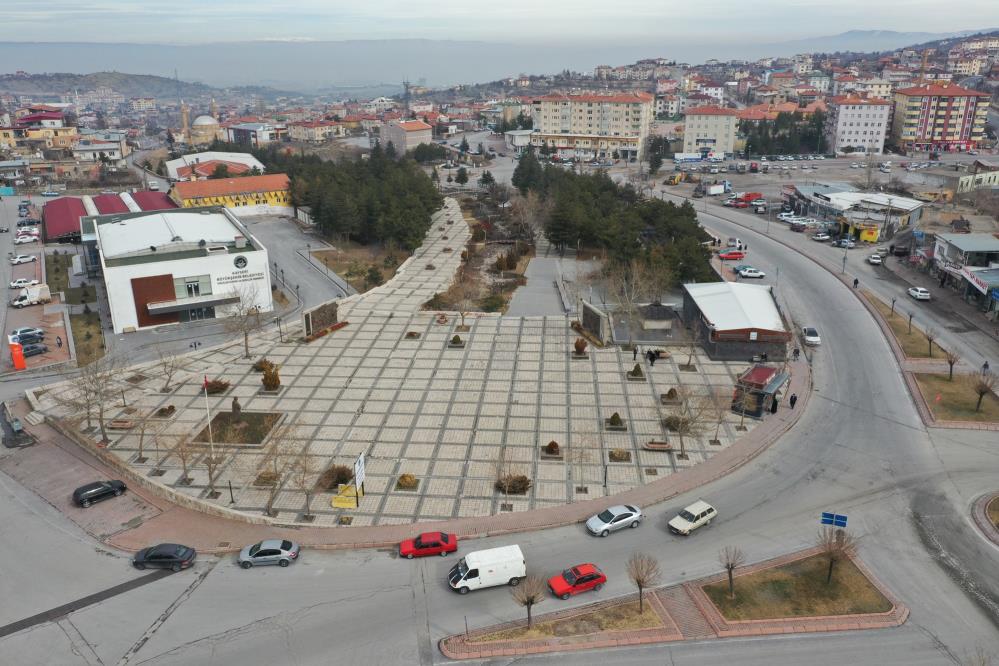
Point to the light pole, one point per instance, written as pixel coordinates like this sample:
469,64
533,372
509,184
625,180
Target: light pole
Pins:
308,251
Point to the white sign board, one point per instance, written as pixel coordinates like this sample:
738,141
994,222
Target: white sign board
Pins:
359,471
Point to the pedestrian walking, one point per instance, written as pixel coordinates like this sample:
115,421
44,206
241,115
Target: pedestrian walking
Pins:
985,367
59,342
856,281
793,400
634,353
796,353
773,405
652,359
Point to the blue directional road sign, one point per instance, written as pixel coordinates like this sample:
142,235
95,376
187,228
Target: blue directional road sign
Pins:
834,519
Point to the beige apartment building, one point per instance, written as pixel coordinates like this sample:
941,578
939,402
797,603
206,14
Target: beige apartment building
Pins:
592,126
710,129
404,135
939,116
314,131
857,123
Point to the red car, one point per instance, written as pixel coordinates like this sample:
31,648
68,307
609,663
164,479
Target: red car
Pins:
740,204
428,543
580,578
732,254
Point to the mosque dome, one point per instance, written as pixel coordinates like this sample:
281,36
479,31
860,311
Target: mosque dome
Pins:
204,121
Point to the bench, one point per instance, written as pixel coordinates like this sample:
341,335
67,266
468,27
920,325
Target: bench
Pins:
657,446
121,424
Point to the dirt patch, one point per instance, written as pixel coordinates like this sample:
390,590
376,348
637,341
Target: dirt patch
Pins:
914,343
363,266
799,589
279,297
251,428
87,337
956,400
619,617
992,511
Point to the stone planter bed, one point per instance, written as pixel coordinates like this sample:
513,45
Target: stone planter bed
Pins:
252,429
615,428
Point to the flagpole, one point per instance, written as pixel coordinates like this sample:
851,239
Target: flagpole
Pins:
211,442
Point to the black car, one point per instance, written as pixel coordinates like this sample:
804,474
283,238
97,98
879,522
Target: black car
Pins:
95,492
34,349
30,338
4,230
165,556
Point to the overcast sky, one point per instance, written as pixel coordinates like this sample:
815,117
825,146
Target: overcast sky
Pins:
186,21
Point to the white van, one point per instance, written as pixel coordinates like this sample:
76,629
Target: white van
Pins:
486,568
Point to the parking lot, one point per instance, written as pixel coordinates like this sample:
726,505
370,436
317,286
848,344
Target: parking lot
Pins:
48,317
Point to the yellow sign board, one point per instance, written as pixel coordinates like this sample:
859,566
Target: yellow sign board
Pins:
347,498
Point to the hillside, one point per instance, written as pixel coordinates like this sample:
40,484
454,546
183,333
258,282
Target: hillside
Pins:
129,85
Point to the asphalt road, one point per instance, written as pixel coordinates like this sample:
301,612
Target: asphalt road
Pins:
860,450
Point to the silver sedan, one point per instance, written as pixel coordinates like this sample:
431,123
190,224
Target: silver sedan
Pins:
271,551
614,518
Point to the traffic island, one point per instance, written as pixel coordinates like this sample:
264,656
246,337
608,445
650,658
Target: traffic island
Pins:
962,398
986,514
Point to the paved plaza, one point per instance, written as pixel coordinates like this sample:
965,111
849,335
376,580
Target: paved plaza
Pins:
452,417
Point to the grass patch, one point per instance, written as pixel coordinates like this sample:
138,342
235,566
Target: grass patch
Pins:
252,428
80,295
619,617
992,511
799,589
87,337
279,297
957,398
363,266
914,344
57,267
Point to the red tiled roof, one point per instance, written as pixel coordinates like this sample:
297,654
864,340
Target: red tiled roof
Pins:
862,101
712,111
620,98
41,115
940,90
62,217
109,203
207,168
414,126
147,200
227,186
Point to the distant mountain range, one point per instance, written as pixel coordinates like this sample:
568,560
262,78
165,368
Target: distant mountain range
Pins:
865,41
129,85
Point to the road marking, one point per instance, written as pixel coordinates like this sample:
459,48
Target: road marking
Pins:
83,602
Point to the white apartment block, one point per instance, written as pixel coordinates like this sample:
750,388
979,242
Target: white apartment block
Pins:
874,87
710,129
142,103
857,122
593,126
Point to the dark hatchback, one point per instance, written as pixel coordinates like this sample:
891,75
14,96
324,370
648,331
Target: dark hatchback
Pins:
164,556
95,492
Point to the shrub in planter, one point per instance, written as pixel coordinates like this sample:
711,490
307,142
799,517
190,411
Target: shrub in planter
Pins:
406,482
616,420
636,371
271,379
513,484
262,365
580,346
675,422
552,448
619,455
163,412
334,476
456,340
216,386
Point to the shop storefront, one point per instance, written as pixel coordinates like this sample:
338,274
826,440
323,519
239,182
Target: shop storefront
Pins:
982,289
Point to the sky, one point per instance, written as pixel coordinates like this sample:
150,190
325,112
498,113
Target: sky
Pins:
194,21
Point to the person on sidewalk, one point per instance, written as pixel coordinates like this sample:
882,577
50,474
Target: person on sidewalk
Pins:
856,282
634,353
985,368
792,400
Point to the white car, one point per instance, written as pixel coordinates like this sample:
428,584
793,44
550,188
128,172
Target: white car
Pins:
21,240
23,259
811,335
854,166
21,283
875,260
752,273
919,293
696,515
821,237
785,216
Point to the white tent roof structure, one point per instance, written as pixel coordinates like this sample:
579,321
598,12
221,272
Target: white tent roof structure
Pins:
729,306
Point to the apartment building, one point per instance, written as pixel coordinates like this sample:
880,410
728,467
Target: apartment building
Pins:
593,126
314,131
710,129
856,122
939,116
874,87
142,103
406,135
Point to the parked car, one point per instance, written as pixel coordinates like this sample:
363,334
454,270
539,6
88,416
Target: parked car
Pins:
23,259
429,543
580,578
875,260
760,210
845,243
270,551
821,237
741,267
696,515
811,335
21,240
34,349
731,254
28,339
98,490
28,330
50,193
614,518
919,293
752,273
4,230
504,565
21,283
165,556
740,204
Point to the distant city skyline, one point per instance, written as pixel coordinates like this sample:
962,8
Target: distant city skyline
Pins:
555,21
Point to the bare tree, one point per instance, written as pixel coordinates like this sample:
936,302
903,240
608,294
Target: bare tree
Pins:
529,214
690,420
696,337
731,558
529,592
243,316
953,358
718,411
168,365
303,478
466,292
644,572
98,382
835,544
283,445
982,384
931,335
150,426
184,451
633,284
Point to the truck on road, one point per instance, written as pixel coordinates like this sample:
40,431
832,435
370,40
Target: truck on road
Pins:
32,295
715,190
487,568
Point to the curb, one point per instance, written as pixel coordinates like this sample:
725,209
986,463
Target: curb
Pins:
980,514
